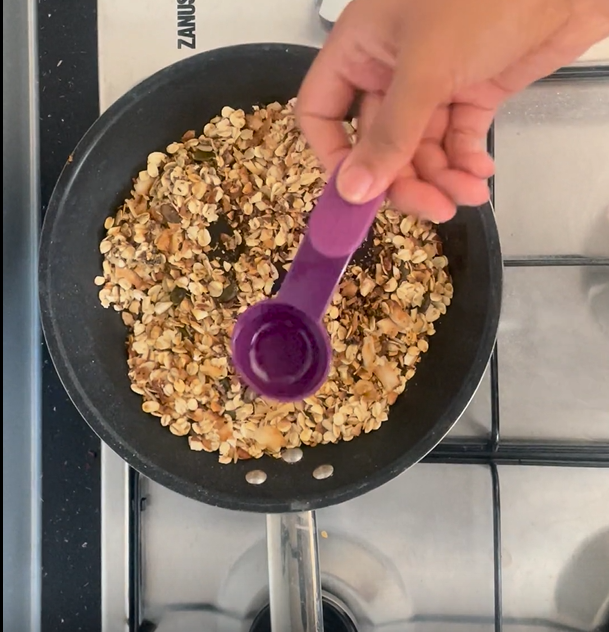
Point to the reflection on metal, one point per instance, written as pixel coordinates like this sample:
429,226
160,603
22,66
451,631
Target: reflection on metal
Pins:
20,334
323,471
115,537
292,455
551,320
255,477
294,580
552,169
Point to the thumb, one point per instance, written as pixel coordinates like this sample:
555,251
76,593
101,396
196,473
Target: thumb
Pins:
392,137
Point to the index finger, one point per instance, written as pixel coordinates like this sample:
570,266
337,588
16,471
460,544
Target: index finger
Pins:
323,101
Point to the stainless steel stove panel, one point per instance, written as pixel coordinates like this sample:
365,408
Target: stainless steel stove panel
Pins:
553,349
555,554
421,547
552,159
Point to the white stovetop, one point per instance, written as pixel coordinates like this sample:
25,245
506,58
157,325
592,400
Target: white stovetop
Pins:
139,37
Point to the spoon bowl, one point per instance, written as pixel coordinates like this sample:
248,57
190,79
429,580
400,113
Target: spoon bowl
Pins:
280,352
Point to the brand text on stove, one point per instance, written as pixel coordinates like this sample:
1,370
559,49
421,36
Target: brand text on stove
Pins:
187,24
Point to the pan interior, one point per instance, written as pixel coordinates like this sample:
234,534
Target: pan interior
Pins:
87,342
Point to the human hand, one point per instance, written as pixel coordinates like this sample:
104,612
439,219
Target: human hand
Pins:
432,74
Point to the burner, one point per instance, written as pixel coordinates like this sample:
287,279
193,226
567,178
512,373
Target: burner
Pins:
335,619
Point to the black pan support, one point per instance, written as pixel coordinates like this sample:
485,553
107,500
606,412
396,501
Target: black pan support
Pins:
86,342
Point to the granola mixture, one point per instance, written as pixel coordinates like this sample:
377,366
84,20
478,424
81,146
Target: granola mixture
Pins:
212,224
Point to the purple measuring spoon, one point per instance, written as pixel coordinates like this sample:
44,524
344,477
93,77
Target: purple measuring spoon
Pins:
280,346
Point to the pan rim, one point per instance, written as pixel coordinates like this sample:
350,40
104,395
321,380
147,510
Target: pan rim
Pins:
140,462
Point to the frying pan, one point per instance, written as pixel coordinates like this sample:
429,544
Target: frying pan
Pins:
87,342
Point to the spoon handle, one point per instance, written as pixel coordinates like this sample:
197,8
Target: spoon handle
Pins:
311,280
336,230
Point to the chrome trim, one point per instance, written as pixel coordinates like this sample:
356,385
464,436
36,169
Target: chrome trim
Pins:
115,541
294,577
22,532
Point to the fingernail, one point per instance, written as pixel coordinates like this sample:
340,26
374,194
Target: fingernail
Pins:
354,183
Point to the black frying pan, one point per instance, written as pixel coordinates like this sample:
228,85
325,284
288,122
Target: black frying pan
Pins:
87,342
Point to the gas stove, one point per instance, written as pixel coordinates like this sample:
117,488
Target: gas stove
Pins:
431,550
504,526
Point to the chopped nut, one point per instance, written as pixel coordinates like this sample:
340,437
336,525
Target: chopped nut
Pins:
388,376
368,353
366,286
269,438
